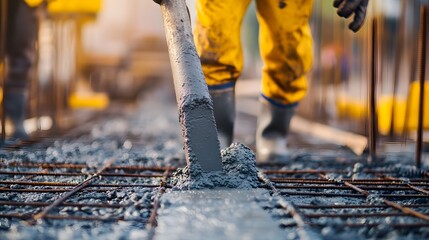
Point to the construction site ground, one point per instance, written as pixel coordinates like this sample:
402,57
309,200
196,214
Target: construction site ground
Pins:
110,178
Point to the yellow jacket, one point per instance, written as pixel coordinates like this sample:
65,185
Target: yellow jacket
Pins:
69,6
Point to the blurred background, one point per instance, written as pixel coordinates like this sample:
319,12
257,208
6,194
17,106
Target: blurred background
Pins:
95,53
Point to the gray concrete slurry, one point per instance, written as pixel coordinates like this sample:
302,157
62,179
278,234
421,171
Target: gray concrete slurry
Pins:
239,171
215,214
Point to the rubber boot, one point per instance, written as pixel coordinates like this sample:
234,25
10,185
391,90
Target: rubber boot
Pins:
15,107
271,133
224,113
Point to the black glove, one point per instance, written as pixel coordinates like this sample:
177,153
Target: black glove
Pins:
347,7
157,1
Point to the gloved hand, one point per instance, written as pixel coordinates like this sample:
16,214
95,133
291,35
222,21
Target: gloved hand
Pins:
347,7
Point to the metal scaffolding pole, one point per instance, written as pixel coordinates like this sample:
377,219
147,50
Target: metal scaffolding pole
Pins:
372,92
3,24
423,39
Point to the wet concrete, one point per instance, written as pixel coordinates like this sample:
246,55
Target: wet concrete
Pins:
239,171
200,136
215,214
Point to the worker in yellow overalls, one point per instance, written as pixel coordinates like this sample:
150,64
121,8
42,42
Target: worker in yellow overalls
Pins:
21,34
286,50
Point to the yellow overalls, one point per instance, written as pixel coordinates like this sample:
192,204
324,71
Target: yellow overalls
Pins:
33,3
285,43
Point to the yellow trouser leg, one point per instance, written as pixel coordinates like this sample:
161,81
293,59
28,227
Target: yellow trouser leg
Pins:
286,49
217,38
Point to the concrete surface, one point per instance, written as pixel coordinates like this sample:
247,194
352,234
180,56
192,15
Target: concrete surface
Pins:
215,214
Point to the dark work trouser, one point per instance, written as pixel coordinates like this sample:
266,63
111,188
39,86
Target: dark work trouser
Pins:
20,44
21,32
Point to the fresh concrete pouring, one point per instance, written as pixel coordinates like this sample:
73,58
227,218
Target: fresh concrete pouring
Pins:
215,214
239,171
220,213
193,99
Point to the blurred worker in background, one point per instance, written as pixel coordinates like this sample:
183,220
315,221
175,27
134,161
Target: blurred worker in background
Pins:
21,32
286,50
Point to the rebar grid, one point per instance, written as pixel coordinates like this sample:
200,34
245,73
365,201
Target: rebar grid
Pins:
35,211
380,195
383,184
153,223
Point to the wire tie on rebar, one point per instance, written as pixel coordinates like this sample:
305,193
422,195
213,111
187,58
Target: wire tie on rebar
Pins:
405,180
331,179
265,180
